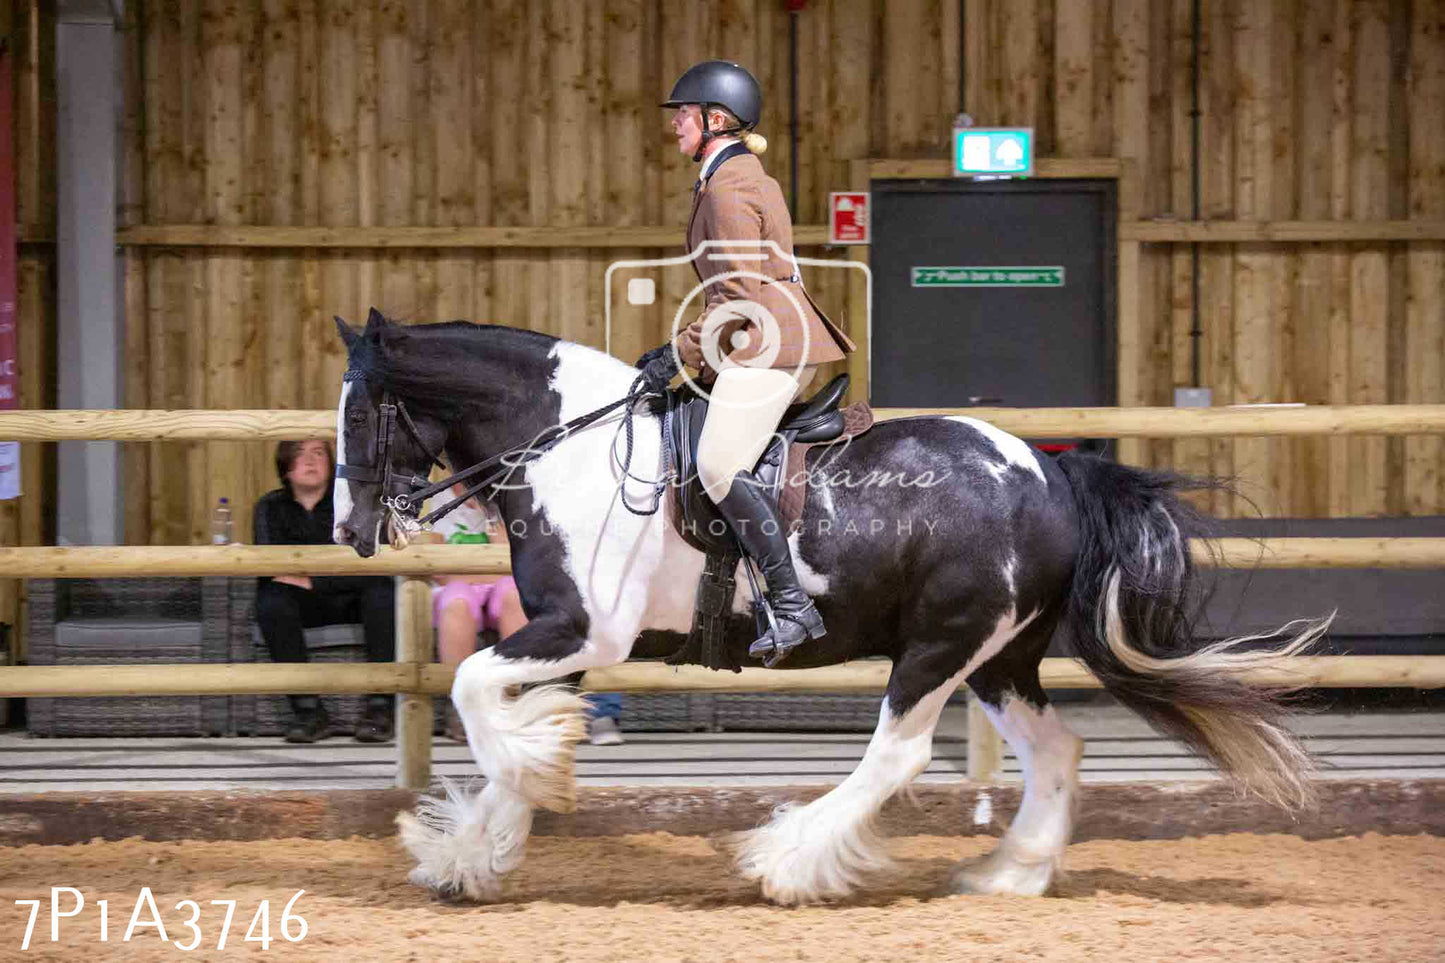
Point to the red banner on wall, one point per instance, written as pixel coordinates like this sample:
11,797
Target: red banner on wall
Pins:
9,362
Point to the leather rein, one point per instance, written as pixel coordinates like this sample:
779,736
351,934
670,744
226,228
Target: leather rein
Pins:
400,494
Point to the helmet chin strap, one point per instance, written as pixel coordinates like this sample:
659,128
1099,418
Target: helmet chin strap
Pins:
707,135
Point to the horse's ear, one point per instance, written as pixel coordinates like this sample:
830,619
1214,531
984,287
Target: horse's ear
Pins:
349,335
375,319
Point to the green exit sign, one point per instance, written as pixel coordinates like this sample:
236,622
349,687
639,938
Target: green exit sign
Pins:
993,151
1023,276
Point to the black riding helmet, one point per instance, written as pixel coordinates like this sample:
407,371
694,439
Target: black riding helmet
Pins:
719,83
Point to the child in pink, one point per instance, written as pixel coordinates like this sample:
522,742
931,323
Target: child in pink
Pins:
464,605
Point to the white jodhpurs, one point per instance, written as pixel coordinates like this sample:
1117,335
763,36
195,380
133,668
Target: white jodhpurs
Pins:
746,406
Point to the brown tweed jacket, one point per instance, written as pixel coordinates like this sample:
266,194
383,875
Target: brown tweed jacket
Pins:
740,203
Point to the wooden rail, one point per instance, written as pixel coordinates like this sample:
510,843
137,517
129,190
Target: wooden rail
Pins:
1231,232
239,560
421,559
430,679
267,237
258,425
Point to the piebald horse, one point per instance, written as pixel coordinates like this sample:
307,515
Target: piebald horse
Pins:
942,543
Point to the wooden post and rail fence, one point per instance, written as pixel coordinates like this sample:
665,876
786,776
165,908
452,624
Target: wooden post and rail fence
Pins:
416,679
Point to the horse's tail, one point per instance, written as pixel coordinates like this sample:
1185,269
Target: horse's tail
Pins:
1129,615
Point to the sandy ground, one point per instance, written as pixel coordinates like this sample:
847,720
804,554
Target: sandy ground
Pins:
660,897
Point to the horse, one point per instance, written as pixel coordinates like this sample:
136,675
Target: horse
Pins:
944,544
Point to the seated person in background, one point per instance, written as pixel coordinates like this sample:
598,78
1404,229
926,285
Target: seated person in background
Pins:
300,513
465,605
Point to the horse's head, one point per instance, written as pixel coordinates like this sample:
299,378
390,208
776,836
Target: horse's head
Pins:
382,446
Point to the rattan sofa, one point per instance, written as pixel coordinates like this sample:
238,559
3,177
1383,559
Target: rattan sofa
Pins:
128,621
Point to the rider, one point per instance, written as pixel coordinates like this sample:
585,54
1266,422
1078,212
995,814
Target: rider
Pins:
759,338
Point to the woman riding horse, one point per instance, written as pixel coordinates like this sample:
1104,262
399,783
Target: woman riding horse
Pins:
760,336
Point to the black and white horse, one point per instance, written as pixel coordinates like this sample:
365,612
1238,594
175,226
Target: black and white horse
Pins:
948,546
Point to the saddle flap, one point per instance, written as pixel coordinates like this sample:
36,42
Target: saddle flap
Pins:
856,419
817,422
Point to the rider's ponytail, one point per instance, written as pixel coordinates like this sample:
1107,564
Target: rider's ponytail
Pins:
732,127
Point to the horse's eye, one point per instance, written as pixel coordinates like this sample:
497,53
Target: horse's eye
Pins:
356,417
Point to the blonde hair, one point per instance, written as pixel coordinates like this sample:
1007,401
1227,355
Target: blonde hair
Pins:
755,143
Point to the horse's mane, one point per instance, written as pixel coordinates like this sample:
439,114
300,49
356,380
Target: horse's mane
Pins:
440,365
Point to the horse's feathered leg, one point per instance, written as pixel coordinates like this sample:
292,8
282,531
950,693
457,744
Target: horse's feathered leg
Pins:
524,744
465,842
1031,853
830,846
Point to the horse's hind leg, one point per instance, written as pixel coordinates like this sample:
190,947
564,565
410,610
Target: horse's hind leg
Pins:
828,847
1032,850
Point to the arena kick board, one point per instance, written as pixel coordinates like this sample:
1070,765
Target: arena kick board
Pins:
1119,748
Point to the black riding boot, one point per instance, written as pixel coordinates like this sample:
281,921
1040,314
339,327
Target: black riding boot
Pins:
754,519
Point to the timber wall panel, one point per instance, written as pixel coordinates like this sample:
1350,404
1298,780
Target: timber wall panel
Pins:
1424,480
29,26
501,112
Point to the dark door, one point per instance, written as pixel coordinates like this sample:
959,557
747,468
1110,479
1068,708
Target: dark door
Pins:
993,293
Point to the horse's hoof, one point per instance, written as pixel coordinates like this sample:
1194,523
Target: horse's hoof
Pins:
449,893
991,876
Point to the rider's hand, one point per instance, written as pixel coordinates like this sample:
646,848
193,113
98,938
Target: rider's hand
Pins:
689,348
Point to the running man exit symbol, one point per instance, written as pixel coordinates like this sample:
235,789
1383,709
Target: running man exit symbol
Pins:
993,151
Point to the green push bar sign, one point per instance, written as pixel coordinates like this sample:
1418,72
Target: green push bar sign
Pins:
989,277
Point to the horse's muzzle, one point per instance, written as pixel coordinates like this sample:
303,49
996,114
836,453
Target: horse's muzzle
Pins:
347,535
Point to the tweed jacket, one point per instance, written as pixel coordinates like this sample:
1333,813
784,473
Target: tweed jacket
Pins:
740,203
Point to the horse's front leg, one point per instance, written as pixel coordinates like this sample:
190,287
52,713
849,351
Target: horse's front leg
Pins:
524,742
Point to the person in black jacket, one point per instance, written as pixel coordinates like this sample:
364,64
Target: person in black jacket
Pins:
300,513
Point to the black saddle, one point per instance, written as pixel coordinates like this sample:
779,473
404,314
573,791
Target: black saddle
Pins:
816,420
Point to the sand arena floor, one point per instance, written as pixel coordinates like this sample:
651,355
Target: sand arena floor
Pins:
661,897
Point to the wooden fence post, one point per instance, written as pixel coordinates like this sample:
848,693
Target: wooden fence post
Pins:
985,751
413,711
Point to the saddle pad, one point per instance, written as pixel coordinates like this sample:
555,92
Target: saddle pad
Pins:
857,418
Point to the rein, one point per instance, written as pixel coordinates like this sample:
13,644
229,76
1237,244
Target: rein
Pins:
400,494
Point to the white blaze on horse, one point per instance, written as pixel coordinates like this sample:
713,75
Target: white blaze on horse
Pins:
965,582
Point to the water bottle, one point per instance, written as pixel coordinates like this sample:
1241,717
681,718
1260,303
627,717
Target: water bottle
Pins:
221,523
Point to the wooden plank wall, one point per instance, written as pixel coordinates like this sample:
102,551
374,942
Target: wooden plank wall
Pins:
1311,110
503,112
447,112
29,520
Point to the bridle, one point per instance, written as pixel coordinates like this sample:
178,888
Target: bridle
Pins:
401,494
394,487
